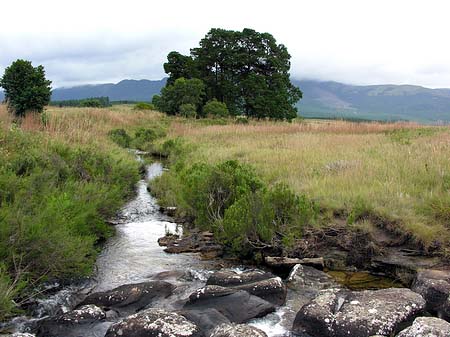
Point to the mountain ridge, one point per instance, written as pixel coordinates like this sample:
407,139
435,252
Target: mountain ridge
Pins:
321,99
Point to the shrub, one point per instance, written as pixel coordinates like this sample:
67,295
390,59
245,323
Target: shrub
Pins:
215,109
241,120
210,190
120,137
144,106
54,200
188,110
144,137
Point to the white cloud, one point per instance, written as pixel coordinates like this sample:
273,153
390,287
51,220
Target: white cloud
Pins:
354,41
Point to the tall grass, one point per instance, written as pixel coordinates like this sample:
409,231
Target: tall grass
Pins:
398,171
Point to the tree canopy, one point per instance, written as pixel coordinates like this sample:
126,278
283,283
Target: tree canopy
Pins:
26,88
248,71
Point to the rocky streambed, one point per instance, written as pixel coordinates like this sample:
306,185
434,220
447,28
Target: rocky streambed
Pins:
140,290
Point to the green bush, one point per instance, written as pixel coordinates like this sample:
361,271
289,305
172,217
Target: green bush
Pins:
144,106
188,110
120,137
215,109
145,137
241,120
54,200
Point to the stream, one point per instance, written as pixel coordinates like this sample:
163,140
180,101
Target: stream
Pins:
133,255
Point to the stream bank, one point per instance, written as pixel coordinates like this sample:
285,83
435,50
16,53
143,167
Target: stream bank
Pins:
137,284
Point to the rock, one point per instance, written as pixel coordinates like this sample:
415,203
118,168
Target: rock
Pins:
206,320
238,307
427,327
402,264
154,323
338,313
22,334
237,330
210,291
131,298
74,323
195,242
286,262
305,283
230,278
168,239
434,286
256,282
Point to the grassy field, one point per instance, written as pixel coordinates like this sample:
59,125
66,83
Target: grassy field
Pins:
399,171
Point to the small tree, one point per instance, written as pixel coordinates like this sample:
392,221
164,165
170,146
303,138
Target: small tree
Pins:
214,108
26,88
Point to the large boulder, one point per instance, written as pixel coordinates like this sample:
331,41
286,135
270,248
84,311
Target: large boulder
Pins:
237,330
154,323
75,323
231,278
131,298
262,284
237,305
434,286
427,327
338,313
206,320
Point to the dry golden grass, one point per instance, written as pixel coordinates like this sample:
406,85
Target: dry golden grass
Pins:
83,125
392,168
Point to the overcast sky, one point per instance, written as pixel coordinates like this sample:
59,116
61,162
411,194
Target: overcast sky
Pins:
352,41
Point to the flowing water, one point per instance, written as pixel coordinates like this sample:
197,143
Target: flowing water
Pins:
133,255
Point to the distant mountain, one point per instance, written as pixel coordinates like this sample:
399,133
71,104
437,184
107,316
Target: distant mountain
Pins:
377,102
320,99
126,90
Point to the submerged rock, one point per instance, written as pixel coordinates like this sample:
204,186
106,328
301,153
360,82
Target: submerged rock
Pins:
237,330
338,313
131,298
238,306
74,323
427,327
154,323
434,286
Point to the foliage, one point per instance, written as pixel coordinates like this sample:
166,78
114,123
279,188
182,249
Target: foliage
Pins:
183,91
120,137
248,71
92,102
145,137
54,200
230,199
26,88
188,110
214,108
241,120
144,106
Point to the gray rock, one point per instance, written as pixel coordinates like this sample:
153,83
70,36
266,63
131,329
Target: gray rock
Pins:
338,313
74,323
154,323
230,278
238,307
131,298
427,327
237,330
206,320
434,286
256,282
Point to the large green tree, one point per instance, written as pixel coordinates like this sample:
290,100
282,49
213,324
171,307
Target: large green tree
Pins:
247,70
26,88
